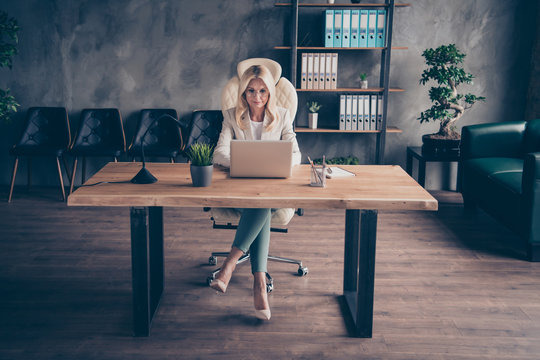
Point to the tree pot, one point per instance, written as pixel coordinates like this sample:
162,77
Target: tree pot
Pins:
363,84
313,117
442,147
201,175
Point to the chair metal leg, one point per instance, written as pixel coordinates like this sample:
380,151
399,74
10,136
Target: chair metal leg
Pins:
73,175
29,174
83,170
13,178
61,180
68,175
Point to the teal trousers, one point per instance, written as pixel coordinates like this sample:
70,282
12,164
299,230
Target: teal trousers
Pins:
253,235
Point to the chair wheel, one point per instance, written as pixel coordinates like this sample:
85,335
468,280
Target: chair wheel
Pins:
212,260
303,271
209,280
269,283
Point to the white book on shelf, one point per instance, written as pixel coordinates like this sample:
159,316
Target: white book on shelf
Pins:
328,70
379,112
354,113
366,112
360,112
310,71
348,113
334,71
322,70
316,68
303,80
342,101
373,113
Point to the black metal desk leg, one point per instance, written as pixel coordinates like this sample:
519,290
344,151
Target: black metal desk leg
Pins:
422,172
147,265
408,166
359,273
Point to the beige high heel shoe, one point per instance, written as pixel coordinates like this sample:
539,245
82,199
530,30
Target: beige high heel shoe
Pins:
264,314
218,285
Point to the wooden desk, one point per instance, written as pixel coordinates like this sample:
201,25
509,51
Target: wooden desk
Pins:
375,187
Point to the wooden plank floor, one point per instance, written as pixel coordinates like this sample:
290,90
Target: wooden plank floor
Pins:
447,286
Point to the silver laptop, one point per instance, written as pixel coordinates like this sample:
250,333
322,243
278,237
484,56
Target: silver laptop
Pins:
261,158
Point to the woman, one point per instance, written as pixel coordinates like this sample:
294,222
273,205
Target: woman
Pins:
255,117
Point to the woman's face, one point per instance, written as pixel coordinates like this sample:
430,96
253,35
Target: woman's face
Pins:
256,94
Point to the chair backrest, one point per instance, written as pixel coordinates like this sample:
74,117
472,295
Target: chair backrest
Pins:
162,135
206,124
46,127
205,127
101,132
286,96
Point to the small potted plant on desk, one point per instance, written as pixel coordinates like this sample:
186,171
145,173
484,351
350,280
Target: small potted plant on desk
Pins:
444,67
313,108
201,167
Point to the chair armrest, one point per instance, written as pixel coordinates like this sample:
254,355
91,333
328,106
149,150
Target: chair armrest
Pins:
492,140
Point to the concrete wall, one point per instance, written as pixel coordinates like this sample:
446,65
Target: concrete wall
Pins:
133,54
533,96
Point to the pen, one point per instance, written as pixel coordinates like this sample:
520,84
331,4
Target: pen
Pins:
315,170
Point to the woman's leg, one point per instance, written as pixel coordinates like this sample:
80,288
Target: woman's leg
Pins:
254,228
259,219
252,223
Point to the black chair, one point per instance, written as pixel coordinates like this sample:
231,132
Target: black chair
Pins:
100,134
46,134
205,128
163,138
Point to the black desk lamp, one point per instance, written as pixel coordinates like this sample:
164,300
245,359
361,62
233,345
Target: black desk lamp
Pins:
144,176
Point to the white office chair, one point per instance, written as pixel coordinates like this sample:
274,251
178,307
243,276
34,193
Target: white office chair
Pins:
228,218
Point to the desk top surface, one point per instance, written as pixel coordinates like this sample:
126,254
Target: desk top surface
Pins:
375,187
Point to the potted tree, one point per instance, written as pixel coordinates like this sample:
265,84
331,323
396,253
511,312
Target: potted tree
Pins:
201,167
313,116
8,49
444,67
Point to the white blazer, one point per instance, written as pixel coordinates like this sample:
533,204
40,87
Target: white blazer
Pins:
282,130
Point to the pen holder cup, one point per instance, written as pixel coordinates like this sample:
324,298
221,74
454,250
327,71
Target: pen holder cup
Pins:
318,176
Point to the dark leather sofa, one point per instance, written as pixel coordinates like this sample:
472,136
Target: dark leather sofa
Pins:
500,172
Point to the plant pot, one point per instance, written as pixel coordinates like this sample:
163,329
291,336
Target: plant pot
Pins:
363,84
313,117
201,175
330,1
440,147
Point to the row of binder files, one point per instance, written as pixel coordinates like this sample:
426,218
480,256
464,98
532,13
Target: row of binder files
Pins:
319,71
355,28
360,112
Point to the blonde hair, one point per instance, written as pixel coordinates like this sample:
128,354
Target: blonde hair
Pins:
257,72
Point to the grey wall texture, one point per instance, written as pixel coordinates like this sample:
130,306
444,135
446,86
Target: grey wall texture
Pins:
134,54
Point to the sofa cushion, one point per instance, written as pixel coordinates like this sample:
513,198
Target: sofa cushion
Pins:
493,165
495,184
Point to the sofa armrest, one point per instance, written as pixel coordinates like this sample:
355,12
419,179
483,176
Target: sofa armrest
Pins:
492,140
531,195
